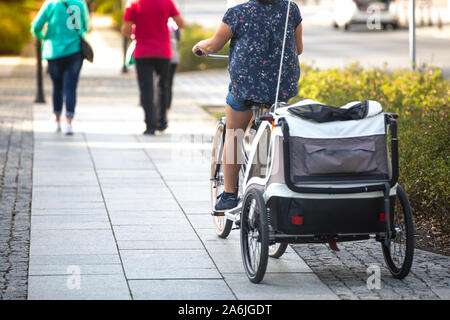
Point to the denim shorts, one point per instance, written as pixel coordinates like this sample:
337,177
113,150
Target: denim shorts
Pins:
236,104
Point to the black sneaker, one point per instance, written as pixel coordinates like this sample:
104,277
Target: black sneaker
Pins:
162,126
149,132
226,202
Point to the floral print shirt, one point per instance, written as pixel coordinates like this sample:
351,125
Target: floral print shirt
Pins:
255,51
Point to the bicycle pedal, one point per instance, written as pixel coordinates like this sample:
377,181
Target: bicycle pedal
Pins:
218,214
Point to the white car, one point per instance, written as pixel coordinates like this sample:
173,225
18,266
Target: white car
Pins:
375,14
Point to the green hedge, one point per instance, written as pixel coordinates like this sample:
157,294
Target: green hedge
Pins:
112,7
107,6
14,28
422,99
191,35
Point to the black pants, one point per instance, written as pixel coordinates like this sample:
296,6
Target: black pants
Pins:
155,111
172,69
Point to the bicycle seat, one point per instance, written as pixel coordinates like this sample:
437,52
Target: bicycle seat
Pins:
249,103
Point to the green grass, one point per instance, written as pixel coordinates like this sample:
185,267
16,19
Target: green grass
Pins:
215,112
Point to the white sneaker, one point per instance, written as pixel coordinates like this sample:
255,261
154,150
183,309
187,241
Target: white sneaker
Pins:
69,130
58,126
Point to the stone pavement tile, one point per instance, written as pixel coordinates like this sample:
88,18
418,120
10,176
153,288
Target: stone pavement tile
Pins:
65,222
97,210
132,181
127,173
55,270
92,287
160,232
136,219
209,236
192,184
279,286
168,264
63,242
187,177
142,204
159,244
140,191
186,194
70,164
144,213
63,205
75,259
443,293
94,138
228,259
155,194
201,221
74,193
120,159
53,178
65,197
196,207
180,290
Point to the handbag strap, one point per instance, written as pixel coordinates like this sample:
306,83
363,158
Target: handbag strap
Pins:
70,12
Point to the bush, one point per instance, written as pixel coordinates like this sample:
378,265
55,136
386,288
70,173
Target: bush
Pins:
191,35
14,28
113,8
107,6
404,92
425,166
117,17
422,100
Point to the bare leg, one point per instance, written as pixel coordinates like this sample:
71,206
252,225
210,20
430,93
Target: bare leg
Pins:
236,120
69,120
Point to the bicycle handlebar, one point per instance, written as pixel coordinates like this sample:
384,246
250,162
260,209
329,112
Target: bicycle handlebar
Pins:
200,54
217,56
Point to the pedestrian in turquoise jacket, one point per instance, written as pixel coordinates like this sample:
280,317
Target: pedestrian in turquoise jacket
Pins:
61,47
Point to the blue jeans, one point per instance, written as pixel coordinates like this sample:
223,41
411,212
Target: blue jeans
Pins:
236,104
64,73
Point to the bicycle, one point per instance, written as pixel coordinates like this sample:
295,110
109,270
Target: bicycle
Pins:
314,183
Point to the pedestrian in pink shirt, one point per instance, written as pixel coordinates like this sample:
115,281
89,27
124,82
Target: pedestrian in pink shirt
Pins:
152,54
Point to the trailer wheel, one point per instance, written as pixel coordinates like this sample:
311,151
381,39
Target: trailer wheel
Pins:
399,251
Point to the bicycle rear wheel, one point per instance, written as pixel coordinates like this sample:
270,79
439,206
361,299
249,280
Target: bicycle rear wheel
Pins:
222,224
276,250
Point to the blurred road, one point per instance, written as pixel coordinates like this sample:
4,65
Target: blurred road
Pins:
335,48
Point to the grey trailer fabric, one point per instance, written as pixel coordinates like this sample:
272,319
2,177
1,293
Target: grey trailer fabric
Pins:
339,160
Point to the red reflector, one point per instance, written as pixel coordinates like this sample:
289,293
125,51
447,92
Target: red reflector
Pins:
297,221
382,217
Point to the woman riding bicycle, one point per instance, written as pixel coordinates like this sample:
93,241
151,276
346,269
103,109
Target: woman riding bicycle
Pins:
256,30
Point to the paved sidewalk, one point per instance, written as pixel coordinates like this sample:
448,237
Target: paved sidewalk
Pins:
131,213
117,215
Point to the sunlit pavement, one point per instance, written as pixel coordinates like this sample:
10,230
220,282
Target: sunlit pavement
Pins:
118,215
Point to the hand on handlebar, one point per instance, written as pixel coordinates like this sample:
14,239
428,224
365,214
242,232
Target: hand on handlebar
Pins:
199,50
199,53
